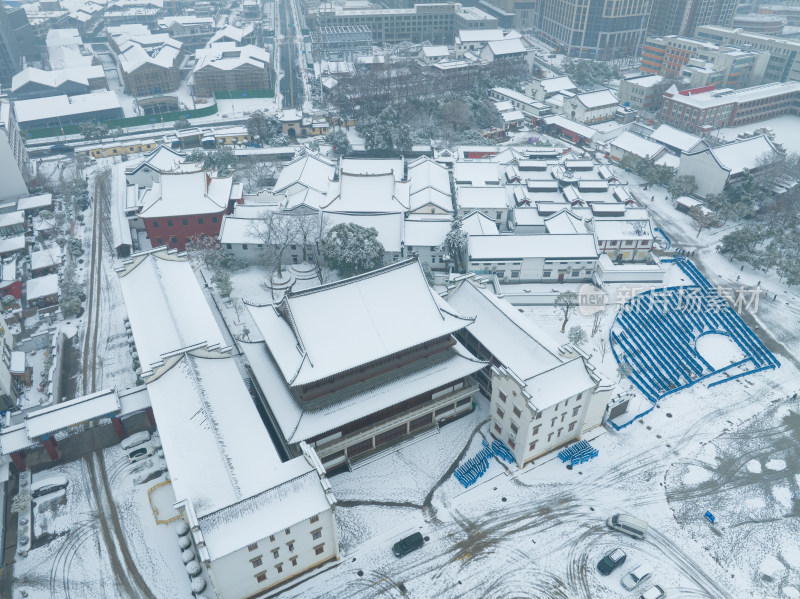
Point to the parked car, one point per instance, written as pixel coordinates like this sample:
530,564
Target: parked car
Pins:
654,592
611,561
135,439
140,453
636,577
633,527
409,544
61,149
51,484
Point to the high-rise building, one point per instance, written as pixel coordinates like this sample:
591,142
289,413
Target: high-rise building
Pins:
601,29
10,58
682,17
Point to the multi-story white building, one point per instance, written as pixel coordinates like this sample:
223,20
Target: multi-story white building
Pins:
542,396
591,107
256,520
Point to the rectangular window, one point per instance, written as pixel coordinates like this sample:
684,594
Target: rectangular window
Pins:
538,416
511,443
288,531
199,221
213,219
564,415
315,534
174,240
559,432
261,577
549,437
514,428
553,421
252,546
465,401
313,519
229,246
290,545
497,429
536,429
532,446
169,223
500,412
155,224
319,549
293,560
517,411
185,221
279,567
547,273
502,396
256,561
575,411
244,246
159,241
571,426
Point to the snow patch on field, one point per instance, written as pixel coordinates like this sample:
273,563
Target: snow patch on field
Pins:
754,466
776,465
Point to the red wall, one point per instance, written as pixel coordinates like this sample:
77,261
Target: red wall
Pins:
179,231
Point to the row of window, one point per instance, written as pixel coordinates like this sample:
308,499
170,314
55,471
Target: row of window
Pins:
262,576
185,221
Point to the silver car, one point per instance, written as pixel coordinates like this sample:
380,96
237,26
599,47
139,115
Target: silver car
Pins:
636,577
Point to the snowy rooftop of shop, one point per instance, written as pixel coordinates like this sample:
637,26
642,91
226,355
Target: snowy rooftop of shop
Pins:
515,247
565,123
216,446
40,287
598,99
427,232
639,146
424,172
343,325
163,159
367,193
564,222
506,47
309,171
619,229
506,333
477,223
69,413
675,138
227,56
46,258
561,382
720,97
182,194
373,166
11,219
469,197
301,423
166,307
298,497
44,200
476,172
480,35
63,106
743,154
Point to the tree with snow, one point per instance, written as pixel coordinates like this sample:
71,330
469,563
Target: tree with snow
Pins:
682,185
426,268
455,243
703,218
352,249
263,127
565,303
222,281
577,336
205,251
339,141
624,370
69,300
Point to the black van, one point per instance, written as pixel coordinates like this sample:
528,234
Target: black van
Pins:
407,545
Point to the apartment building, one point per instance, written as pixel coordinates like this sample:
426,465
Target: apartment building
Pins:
149,64
642,92
703,62
601,29
542,396
711,109
784,54
436,22
226,66
683,17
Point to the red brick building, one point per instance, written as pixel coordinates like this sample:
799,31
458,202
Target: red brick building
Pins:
181,205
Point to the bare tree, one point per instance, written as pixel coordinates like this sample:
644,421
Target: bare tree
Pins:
310,229
565,303
602,348
258,175
276,231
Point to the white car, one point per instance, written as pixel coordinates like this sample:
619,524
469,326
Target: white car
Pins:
654,592
636,577
140,453
135,439
51,484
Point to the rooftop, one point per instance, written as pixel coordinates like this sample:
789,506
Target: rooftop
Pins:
578,246
310,333
58,106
